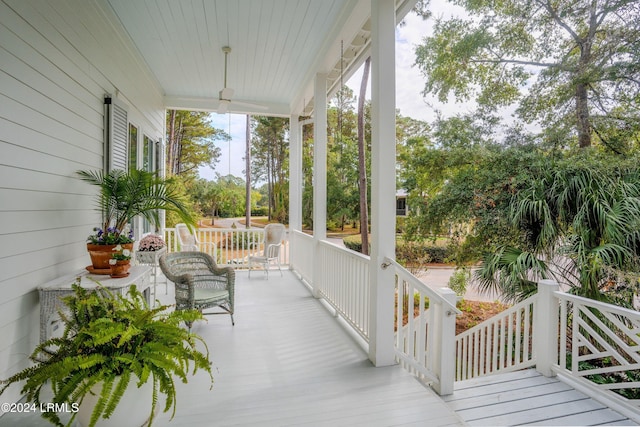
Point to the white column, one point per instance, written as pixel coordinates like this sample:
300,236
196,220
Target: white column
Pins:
319,170
383,180
546,318
295,174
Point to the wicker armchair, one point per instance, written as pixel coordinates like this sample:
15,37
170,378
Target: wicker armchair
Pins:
199,282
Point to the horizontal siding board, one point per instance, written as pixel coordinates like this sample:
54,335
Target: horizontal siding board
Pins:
47,107
29,180
42,39
28,242
14,269
21,308
19,135
19,329
23,200
40,80
25,116
30,159
16,223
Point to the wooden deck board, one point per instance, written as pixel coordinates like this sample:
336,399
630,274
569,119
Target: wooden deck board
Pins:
288,362
528,398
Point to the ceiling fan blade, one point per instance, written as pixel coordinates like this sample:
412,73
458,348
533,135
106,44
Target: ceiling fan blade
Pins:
249,105
223,106
226,93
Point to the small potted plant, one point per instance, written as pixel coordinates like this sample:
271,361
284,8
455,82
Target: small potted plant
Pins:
115,356
120,262
151,243
122,196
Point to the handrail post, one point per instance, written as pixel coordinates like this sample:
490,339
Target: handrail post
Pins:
545,328
445,351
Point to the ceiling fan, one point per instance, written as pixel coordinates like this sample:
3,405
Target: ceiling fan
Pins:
225,95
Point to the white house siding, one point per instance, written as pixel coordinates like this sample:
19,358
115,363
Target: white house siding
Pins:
57,61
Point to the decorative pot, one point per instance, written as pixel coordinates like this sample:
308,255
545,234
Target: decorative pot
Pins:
120,268
100,256
133,409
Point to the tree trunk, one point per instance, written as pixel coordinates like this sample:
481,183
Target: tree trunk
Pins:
583,118
170,144
247,165
362,169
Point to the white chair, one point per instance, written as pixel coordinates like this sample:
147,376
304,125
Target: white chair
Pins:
273,236
189,241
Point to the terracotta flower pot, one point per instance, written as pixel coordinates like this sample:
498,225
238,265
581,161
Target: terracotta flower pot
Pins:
100,256
120,268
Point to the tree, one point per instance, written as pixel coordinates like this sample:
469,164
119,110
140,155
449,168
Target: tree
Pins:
191,142
342,160
270,162
362,165
578,59
578,222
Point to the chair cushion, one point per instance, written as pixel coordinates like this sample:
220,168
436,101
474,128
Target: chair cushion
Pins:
204,295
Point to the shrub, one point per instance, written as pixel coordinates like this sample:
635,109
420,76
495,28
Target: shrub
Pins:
410,252
459,281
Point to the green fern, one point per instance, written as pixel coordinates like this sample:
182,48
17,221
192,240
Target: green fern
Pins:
113,339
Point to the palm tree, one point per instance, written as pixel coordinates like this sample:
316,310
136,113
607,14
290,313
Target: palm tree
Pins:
123,196
580,225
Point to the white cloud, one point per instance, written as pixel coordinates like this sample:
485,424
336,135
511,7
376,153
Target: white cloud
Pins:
232,152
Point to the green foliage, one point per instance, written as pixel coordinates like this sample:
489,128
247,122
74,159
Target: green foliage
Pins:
464,191
191,142
614,377
409,252
270,162
353,242
113,339
572,65
124,195
459,280
578,221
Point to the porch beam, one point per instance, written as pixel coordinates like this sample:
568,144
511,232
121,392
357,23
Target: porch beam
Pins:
383,180
319,170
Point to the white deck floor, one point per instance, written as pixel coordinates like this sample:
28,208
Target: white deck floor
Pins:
288,362
528,398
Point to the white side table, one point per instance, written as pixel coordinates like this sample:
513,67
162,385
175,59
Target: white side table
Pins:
152,258
51,292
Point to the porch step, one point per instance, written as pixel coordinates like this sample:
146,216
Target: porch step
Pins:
527,398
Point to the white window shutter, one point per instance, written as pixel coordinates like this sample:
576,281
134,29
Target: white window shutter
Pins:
116,134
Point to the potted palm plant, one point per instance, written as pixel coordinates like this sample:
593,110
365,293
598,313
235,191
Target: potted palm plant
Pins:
122,196
114,358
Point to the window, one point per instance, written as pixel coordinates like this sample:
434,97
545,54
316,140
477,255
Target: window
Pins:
133,147
149,163
148,154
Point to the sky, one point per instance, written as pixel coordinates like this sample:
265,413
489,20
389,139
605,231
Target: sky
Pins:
409,99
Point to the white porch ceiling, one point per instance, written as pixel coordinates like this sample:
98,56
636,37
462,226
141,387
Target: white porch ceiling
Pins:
277,48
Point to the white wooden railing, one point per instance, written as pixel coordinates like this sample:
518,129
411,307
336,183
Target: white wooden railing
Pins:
301,256
425,329
342,279
557,333
600,339
502,343
593,346
424,343
229,245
